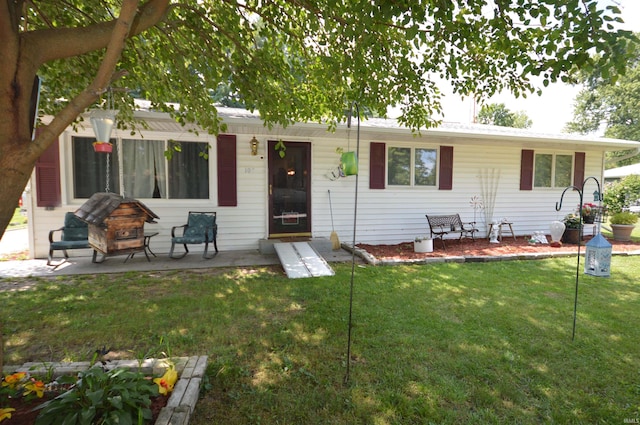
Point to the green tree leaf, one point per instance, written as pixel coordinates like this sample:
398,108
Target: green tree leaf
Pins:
290,61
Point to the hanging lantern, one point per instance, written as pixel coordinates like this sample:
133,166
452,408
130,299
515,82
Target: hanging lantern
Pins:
597,196
102,121
597,257
349,163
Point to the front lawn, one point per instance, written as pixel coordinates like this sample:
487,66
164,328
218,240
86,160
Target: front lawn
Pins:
18,220
442,343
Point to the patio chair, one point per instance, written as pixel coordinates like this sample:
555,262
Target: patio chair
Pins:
201,228
74,234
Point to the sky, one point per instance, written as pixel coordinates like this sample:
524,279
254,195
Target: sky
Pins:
554,108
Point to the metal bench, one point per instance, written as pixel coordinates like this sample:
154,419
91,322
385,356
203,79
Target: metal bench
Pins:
442,225
74,235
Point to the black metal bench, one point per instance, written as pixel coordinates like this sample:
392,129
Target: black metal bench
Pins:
442,225
74,235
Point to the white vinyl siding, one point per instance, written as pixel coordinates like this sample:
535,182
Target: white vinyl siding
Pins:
397,214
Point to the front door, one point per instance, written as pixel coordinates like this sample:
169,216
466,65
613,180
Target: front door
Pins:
290,190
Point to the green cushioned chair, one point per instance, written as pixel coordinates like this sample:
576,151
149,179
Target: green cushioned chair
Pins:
201,228
73,235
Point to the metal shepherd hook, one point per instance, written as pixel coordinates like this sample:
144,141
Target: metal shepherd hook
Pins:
353,246
558,208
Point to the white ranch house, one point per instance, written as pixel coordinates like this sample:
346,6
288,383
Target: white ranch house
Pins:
402,176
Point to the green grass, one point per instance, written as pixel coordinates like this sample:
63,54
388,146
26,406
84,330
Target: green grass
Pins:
18,220
443,344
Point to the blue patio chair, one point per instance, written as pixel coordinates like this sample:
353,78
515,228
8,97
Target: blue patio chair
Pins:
201,228
74,234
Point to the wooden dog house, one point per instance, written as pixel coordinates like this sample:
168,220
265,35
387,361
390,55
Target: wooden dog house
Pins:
116,224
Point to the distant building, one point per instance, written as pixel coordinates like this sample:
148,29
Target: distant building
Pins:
620,172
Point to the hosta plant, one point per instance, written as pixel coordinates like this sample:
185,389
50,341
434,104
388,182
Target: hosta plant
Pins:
117,396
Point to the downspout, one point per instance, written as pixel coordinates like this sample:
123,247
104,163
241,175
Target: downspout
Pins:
604,163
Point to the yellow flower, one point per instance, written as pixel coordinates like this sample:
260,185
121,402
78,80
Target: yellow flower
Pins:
34,386
5,413
13,379
167,381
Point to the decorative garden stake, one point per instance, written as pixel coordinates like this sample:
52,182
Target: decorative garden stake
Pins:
580,191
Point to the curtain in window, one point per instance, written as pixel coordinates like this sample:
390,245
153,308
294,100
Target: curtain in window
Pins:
189,172
144,171
90,168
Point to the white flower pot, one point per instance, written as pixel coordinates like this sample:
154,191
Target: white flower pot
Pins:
425,245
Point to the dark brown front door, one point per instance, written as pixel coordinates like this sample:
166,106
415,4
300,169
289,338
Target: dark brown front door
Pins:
290,190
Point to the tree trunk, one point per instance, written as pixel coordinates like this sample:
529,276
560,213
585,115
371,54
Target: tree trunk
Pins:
18,153
15,171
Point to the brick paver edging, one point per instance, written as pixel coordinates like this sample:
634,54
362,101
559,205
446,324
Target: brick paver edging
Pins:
182,401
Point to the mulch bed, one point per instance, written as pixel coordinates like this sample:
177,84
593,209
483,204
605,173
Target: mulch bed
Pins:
483,248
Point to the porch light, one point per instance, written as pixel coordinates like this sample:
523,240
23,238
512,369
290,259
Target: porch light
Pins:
597,257
254,143
102,121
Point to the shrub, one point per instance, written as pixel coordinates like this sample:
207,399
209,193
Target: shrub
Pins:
624,217
619,195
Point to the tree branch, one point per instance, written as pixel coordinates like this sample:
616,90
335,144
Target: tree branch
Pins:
121,31
60,43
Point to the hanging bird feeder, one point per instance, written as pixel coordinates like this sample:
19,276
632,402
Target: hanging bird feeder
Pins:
349,163
102,121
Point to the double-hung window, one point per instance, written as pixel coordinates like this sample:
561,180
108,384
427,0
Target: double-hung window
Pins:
552,170
139,168
408,166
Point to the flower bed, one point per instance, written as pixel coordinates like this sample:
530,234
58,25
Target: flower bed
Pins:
479,250
184,395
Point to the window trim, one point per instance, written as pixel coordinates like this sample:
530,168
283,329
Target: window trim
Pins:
69,170
378,167
412,165
554,156
527,168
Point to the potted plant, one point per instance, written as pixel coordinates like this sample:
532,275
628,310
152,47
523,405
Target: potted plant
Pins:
622,224
588,212
572,229
423,244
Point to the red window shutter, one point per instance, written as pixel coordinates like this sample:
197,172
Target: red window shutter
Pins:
578,169
526,170
227,171
377,163
48,177
446,168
